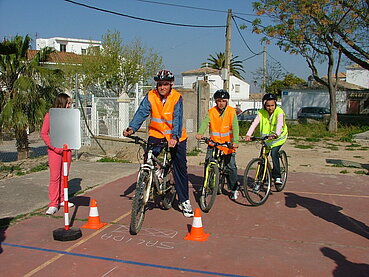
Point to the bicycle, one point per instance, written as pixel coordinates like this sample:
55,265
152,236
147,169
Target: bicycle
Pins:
215,175
257,177
154,179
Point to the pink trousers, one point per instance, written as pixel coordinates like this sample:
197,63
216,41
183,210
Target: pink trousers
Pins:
56,185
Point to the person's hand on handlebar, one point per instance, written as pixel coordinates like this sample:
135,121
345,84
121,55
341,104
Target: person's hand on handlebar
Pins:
248,138
199,137
127,132
172,143
273,136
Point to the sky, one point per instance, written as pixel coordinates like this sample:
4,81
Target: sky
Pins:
182,48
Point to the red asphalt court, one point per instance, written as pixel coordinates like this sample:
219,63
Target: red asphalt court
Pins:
318,226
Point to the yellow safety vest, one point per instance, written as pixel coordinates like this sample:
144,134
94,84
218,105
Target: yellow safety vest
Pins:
268,126
161,123
221,128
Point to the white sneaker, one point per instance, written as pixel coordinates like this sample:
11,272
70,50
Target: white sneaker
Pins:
234,194
51,210
278,181
70,205
186,208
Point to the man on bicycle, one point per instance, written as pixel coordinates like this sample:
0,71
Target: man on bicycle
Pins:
272,122
165,106
223,127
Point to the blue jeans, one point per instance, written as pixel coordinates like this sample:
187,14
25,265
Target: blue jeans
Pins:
276,172
230,164
179,164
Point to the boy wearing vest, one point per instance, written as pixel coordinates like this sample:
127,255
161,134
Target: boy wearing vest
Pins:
273,124
223,127
165,106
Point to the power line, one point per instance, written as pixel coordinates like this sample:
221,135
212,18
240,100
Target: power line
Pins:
244,41
144,19
189,7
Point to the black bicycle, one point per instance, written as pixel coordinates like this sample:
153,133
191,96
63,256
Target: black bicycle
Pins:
257,178
215,175
154,180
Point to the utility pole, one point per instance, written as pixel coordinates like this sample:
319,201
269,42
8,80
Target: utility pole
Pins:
264,71
228,54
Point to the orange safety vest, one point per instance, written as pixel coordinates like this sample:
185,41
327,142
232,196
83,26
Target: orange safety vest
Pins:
161,123
221,128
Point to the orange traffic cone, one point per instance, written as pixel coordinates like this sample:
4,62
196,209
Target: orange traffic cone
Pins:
197,232
94,218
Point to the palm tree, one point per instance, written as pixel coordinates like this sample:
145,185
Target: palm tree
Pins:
26,89
218,62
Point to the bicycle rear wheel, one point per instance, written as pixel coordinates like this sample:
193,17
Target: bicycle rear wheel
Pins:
284,170
255,186
169,191
210,187
139,202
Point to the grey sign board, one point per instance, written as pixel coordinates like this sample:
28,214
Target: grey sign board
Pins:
65,128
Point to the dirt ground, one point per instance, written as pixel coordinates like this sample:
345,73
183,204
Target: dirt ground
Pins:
329,157
325,156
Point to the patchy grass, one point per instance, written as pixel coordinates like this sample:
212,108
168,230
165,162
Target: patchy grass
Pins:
10,168
312,139
359,157
112,160
344,171
302,146
362,172
39,167
194,152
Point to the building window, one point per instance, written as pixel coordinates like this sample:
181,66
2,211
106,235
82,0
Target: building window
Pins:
63,48
237,88
83,51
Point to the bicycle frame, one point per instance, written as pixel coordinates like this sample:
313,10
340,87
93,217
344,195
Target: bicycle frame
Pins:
264,155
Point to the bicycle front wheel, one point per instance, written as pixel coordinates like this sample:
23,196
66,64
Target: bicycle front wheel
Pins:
256,184
210,187
169,193
139,202
284,170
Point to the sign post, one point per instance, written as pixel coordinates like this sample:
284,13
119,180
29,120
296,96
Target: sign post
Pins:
65,133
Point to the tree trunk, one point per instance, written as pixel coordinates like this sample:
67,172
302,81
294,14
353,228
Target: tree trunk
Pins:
332,126
22,143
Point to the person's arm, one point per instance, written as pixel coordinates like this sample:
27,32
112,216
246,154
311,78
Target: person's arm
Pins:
178,119
141,114
235,129
280,121
45,129
253,126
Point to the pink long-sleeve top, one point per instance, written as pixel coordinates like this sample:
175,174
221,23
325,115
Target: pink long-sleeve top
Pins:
256,121
45,130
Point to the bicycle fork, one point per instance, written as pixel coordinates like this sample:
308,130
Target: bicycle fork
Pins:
211,163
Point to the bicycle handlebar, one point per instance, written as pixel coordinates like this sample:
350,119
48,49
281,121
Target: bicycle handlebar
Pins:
142,142
213,143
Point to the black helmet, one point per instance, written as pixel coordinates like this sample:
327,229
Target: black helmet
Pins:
269,96
222,94
164,75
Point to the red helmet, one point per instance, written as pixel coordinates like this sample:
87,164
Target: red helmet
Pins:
164,75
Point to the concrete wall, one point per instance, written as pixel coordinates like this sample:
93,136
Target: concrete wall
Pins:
293,100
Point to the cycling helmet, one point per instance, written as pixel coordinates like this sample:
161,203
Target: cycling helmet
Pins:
164,75
269,96
222,94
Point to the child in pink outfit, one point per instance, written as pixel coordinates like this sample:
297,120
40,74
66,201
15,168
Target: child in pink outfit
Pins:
55,157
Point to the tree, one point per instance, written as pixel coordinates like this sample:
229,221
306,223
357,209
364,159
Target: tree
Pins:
26,91
116,67
273,73
319,31
290,80
218,62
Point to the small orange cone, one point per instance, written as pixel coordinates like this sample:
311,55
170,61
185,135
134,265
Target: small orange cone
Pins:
94,218
197,232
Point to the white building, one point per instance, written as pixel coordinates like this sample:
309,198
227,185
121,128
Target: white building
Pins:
71,45
357,75
239,90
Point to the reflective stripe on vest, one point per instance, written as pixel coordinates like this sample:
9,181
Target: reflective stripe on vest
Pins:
162,115
268,126
221,128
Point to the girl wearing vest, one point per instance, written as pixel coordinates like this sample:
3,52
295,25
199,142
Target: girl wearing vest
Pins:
223,127
165,106
272,121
